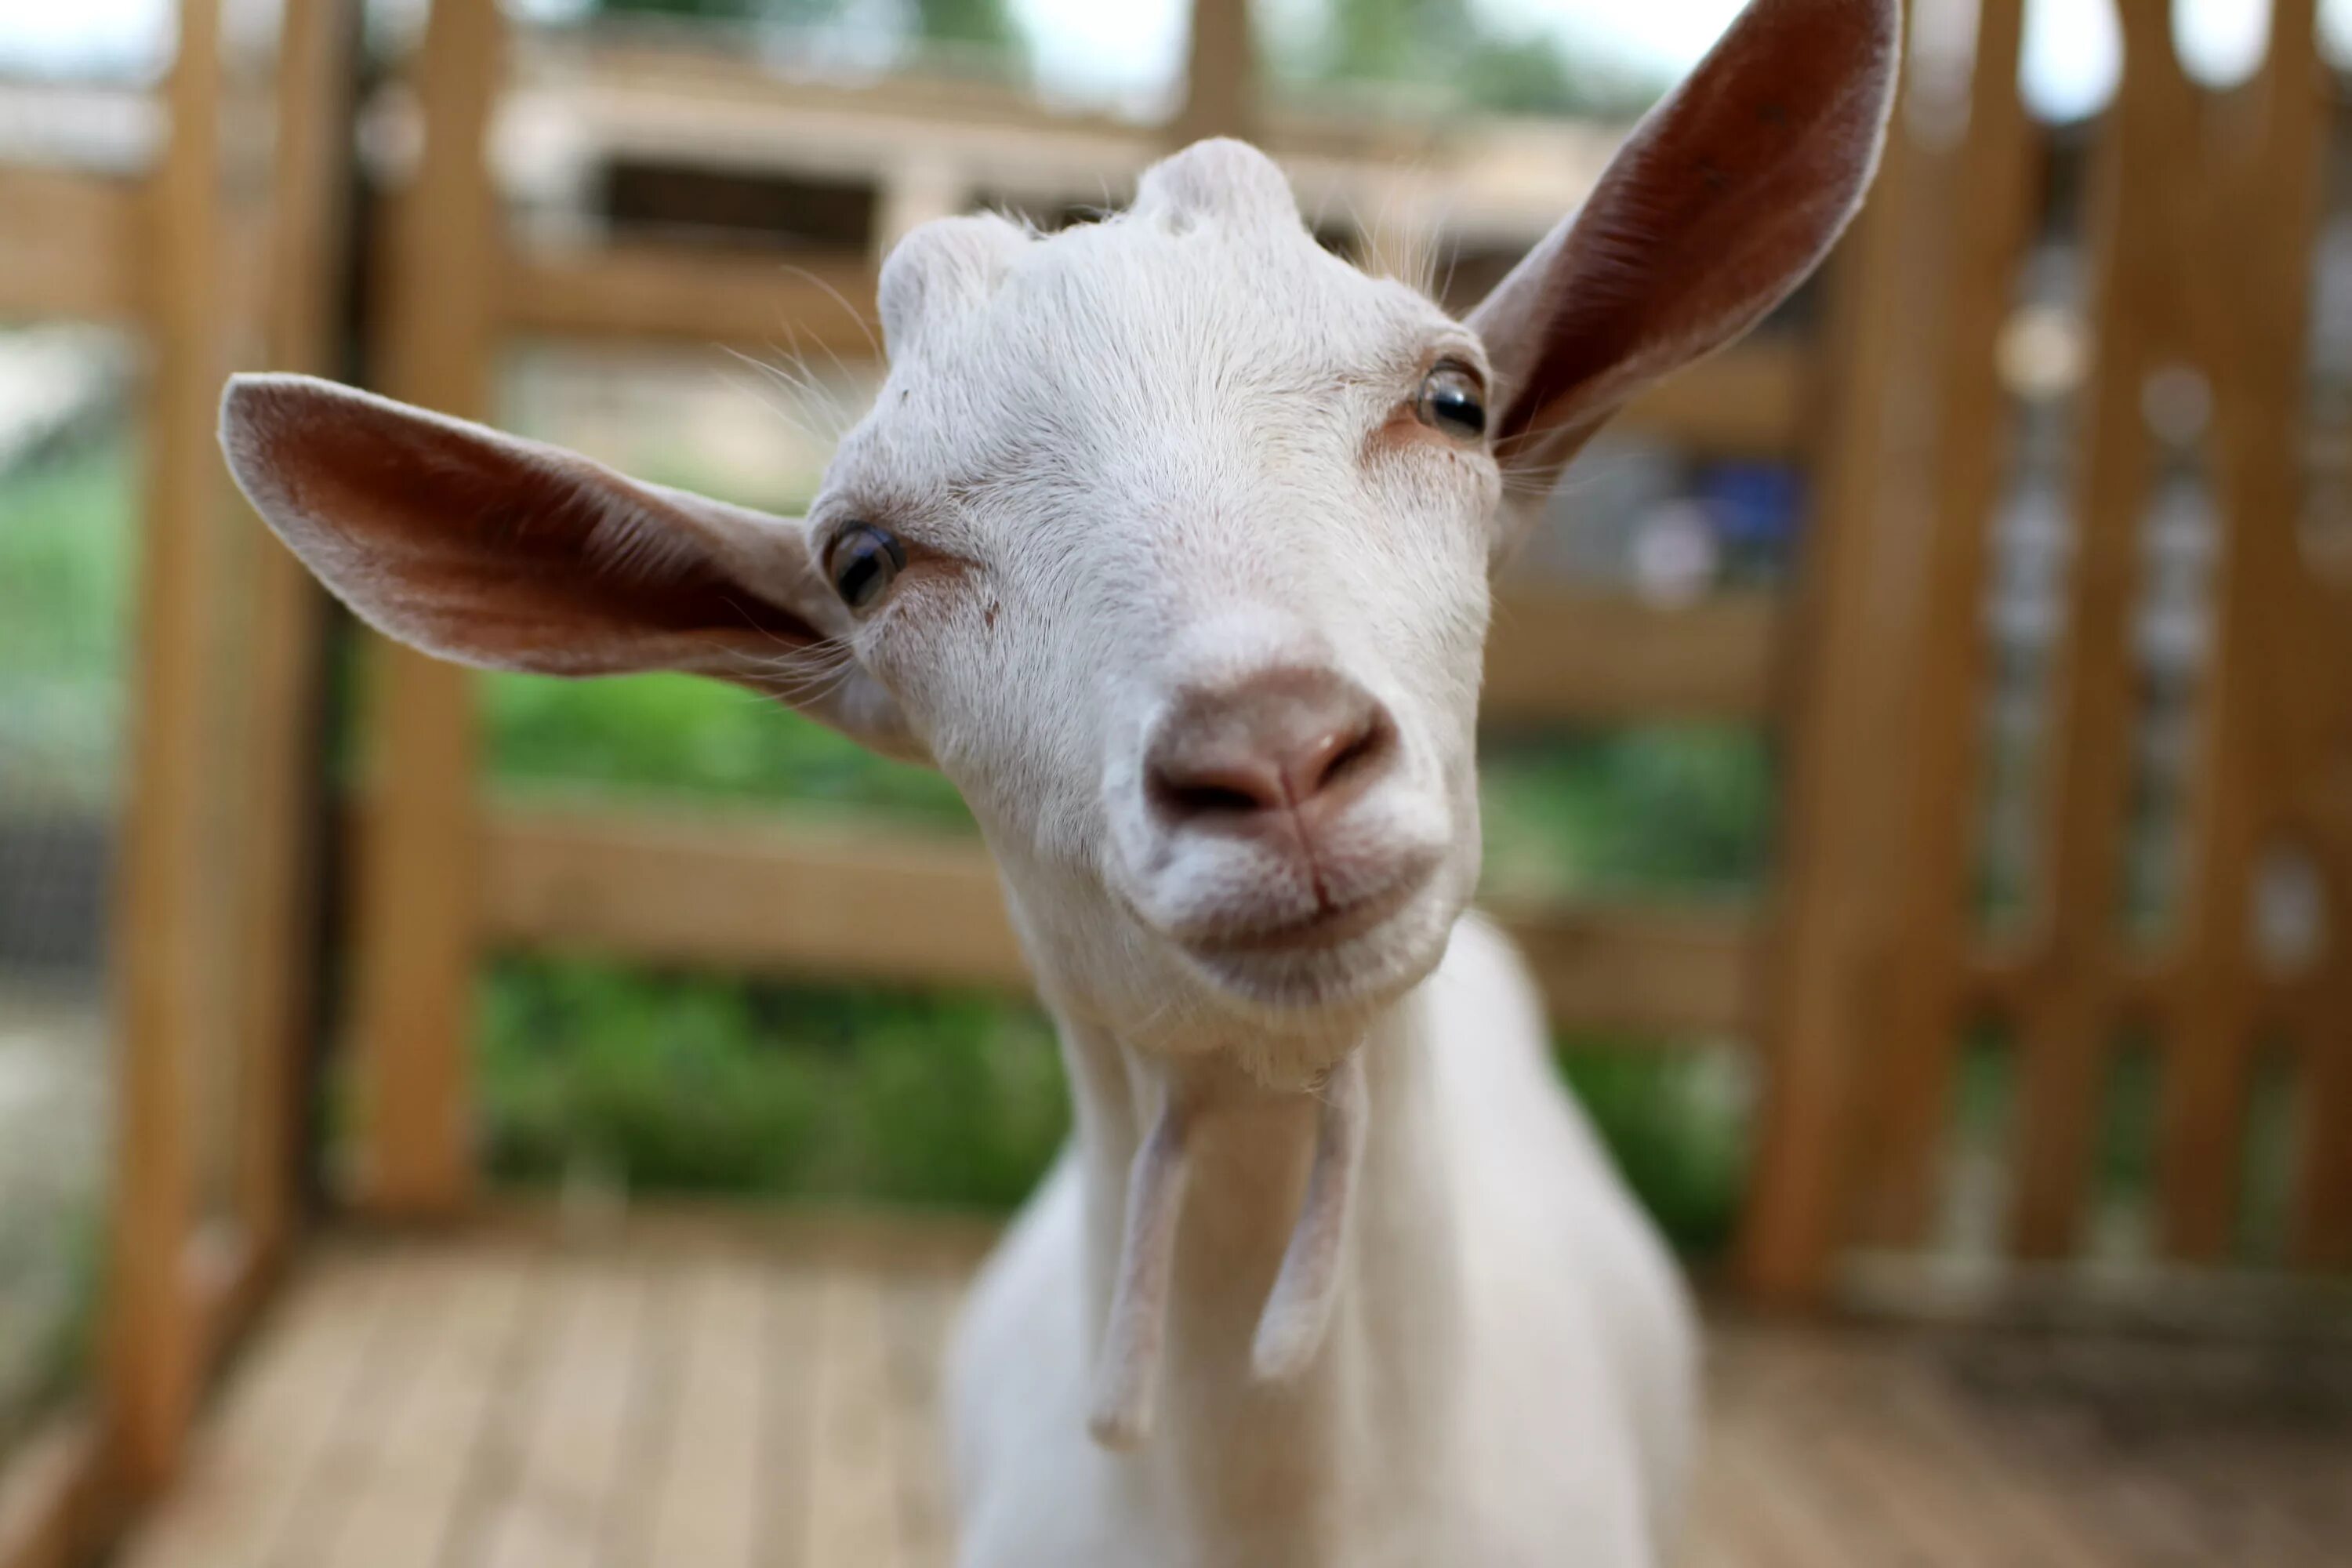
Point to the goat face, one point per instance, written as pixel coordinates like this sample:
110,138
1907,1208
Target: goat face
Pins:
1170,535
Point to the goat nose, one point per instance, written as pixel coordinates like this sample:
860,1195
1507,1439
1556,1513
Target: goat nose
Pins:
1298,740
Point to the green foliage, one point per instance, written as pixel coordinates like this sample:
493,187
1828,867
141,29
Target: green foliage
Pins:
52,1292
698,739
692,1084
988,22
683,1084
65,585
1455,54
1662,809
1676,1119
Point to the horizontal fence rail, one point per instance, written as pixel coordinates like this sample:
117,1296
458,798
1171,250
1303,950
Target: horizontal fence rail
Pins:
73,246
749,894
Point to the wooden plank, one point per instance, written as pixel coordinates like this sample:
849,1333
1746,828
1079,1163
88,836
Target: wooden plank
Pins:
2146,141
706,1486
283,681
52,1488
1220,75
788,1374
162,921
853,1518
402,1501
1986,231
1831,934
918,1307
1560,654
268,1442
74,246
756,301
2250,240
752,895
1749,401
561,1509
746,894
1672,971
414,928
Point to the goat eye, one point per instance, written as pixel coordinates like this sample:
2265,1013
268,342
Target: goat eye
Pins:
1451,401
862,561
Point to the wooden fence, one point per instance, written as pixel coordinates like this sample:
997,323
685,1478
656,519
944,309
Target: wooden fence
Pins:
2201,227
464,283
224,254
1859,981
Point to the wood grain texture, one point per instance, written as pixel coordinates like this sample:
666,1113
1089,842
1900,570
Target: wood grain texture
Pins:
1560,655
167,962
1828,943
2248,235
415,927
1982,233
753,895
281,681
1824,1448
74,247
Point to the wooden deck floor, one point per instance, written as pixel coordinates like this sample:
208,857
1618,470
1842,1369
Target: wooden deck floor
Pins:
719,1396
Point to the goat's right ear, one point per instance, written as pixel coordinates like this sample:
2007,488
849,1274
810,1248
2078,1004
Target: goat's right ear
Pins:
507,554
1723,199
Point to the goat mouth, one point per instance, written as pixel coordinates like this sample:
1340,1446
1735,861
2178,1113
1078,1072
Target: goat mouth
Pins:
1330,926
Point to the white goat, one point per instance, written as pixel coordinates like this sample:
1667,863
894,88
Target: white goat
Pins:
1169,541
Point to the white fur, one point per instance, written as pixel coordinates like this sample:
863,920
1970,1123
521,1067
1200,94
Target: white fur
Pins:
1162,434
1510,1380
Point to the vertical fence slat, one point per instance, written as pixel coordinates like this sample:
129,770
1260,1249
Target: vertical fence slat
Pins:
417,921
284,607
1221,81
2147,141
150,1355
1827,940
2250,244
1990,222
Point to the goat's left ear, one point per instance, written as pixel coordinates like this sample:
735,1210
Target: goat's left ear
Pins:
507,554
1720,203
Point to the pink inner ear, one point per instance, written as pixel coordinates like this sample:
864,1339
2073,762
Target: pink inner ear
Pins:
495,550
1723,201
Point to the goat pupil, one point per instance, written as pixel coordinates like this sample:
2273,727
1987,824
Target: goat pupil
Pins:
1450,402
859,577
864,563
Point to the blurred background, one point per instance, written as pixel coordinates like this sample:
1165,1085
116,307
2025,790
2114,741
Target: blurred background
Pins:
1914,753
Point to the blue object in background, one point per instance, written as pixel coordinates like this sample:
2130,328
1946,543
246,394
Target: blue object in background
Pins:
1756,509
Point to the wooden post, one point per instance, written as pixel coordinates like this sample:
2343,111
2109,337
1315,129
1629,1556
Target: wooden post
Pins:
1830,948
2150,141
1221,77
163,914
1934,932
2253,256
284,609
416,922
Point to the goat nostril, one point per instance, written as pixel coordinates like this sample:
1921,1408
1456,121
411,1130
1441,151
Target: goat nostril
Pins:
1187,792
1339,755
